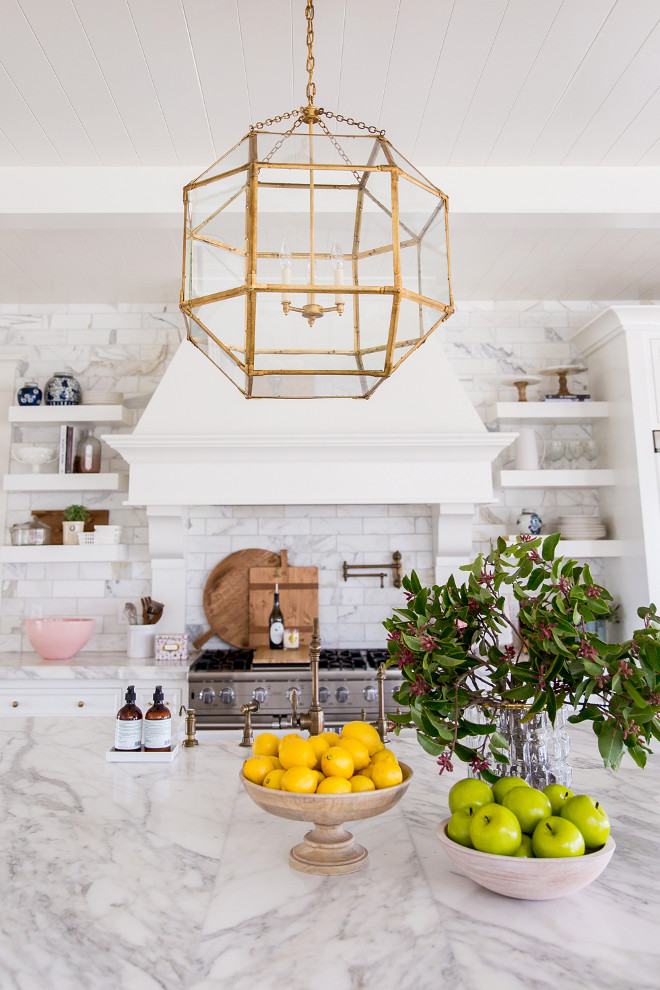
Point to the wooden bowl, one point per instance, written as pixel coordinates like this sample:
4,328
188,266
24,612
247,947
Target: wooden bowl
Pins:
328,849
526,879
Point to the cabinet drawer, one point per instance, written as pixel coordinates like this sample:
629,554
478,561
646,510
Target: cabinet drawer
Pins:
61,701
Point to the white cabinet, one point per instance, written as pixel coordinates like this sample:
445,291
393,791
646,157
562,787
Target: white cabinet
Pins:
80,696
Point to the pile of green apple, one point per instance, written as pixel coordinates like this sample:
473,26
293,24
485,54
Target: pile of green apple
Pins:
513,819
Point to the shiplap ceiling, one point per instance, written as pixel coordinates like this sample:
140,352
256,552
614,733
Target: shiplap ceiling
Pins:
456,83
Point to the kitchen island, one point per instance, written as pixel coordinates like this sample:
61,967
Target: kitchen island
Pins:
136,877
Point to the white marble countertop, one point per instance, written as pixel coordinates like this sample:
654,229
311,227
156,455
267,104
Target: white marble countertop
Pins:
85,666
133,877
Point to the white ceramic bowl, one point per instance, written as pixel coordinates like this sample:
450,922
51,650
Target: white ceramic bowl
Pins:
34,454
527,879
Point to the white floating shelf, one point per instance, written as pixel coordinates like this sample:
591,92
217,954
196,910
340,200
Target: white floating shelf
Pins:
60,554
65,482
70,414
594,478
548,412
590,548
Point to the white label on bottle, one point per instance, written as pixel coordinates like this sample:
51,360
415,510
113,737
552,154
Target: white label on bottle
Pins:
128,735
277,632
157,733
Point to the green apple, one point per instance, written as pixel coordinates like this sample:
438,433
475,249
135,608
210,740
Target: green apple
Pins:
495,829
458,826
590,817
557,794
525,851
557,838
528,805
469,793
505,784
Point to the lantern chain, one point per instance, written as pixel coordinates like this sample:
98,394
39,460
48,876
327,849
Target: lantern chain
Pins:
341,151
311,85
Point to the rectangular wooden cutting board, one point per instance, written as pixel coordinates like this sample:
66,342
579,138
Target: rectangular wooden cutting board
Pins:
264,655
299,599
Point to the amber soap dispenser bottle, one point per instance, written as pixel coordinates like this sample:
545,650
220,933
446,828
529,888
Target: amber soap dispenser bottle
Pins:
158,725
128,727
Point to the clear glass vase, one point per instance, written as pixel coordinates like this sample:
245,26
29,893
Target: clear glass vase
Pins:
538,750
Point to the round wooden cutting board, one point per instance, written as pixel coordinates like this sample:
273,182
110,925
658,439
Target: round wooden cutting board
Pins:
226,596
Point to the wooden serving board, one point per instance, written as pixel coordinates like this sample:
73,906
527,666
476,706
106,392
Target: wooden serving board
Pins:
264,655
226,596
299,599
54,519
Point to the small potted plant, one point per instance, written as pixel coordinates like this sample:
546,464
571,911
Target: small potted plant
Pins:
466,659
74,519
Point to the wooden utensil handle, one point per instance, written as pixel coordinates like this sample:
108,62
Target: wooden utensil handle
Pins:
204,638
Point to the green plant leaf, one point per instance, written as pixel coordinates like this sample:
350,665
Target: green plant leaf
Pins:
610,744
638,755
429,745
633,693
549,546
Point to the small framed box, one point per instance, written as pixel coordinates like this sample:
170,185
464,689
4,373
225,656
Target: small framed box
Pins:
172,646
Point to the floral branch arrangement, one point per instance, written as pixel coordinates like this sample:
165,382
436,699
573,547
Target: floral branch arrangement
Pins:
459,649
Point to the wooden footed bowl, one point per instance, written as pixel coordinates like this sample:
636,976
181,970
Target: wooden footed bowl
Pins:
329,848
526,879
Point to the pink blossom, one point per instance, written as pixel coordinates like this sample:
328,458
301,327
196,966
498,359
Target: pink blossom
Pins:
603,679
406,656
625,669
420,687
445,763
460,625
509,652
478,764
409,595
394,636
485,577
593,591
545,628
632,730
427,643
586,650
563,585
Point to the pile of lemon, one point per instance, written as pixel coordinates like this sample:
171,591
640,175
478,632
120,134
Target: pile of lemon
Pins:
352,762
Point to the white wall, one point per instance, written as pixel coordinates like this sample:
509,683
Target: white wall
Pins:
128,347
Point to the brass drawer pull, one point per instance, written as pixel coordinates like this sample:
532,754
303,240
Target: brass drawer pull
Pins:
81,704
14,704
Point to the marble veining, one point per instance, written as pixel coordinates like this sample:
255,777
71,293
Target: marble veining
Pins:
168,876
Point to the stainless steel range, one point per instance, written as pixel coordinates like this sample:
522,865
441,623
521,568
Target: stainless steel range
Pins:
220,681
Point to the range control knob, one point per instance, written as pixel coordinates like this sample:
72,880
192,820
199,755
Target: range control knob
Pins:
227,695
342,693
370,693
207,696
294,687
260,694
324,695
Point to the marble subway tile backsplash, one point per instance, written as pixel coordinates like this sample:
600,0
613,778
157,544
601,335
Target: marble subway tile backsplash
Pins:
127,348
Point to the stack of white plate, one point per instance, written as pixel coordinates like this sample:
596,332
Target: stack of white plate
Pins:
95,397
581,527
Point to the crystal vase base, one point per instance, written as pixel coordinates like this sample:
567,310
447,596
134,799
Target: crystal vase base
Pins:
538,750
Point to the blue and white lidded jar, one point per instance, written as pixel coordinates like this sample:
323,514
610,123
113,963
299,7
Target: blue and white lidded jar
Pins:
29,394
63,390
529,523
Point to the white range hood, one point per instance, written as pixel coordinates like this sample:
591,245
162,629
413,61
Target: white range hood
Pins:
418,439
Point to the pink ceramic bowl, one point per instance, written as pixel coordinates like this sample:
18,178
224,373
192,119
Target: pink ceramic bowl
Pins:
58,639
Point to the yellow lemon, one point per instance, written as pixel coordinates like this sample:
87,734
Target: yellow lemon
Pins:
333,785
387,773
365,733
366,772
358,751
274,779
319,745
256,768
291,735
297,752
332,738
266,744
361,783
337,762
299,780
383,754
319,776
278,765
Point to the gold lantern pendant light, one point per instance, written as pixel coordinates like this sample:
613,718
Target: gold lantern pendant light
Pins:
314,262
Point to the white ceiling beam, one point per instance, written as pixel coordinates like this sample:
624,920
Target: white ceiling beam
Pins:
629,194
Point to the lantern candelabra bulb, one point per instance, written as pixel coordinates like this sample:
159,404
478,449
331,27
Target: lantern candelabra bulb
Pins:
337,256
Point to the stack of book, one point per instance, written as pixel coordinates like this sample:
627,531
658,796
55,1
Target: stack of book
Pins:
70,437
583,397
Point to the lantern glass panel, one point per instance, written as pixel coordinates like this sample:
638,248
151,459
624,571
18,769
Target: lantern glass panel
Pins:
236,157
226,321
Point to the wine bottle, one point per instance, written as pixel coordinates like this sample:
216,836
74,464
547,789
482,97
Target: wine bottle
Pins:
276,623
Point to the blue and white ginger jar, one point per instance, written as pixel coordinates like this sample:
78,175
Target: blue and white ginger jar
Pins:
63,390
529,522
29,394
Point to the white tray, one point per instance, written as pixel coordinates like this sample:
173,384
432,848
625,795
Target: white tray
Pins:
139,756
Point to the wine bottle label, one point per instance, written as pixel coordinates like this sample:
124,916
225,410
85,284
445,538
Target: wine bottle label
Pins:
128,735
157,733
277,631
